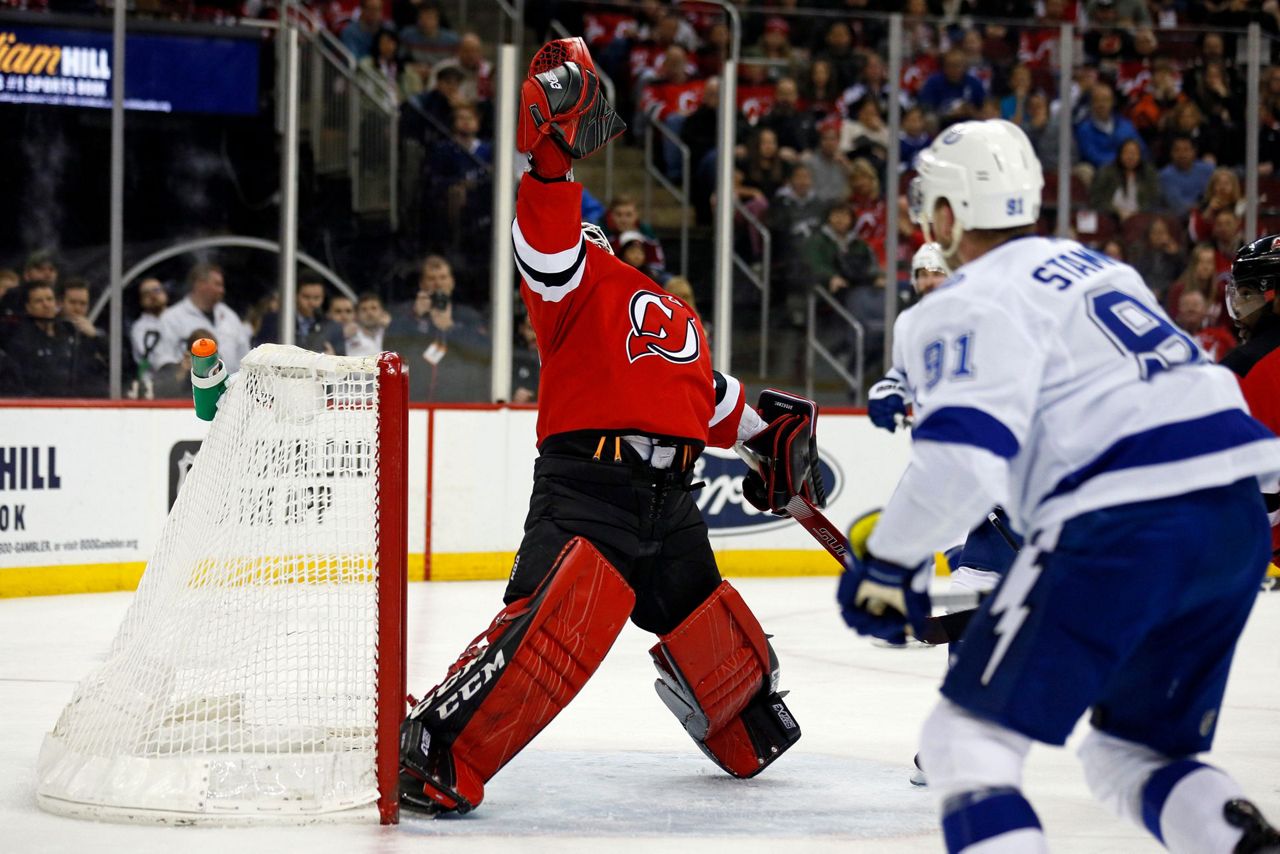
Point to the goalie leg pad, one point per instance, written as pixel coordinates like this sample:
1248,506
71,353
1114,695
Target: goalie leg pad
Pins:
513,680
718,675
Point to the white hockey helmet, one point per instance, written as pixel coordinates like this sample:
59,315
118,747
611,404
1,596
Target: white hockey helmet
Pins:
929,258
988,173
595,234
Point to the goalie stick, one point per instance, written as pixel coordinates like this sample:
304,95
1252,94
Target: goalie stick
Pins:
943,629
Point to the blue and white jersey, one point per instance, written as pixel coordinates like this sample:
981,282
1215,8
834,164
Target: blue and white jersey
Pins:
1047,379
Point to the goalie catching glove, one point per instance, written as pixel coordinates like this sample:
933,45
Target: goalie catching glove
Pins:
564,115
880,598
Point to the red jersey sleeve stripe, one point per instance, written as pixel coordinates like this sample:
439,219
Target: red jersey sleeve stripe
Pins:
550,275
723,426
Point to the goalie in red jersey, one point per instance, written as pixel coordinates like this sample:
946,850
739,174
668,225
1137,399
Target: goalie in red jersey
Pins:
627,402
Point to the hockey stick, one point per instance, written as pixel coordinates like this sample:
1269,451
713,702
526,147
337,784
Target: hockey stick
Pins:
937,630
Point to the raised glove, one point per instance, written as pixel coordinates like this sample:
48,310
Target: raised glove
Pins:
880,598
564,115
887,401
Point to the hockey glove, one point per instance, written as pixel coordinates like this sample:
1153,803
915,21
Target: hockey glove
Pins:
887,401
880,598
564,115
784,450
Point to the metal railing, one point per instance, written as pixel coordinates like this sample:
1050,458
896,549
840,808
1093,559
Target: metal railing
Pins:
681,194
352,119
816,348
761,278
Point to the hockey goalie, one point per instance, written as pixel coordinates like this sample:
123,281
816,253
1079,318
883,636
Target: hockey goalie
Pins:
628,402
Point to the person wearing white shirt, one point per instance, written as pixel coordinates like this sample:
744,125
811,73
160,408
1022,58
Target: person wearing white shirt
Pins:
150,347
371,322
203,308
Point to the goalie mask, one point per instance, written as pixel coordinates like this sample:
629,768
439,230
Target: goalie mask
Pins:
595,234
1254,274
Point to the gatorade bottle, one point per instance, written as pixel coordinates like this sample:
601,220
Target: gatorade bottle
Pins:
208,378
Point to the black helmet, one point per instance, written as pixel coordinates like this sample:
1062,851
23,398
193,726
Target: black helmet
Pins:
1254,275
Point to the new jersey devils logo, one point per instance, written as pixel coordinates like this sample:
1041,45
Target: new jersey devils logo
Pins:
661,325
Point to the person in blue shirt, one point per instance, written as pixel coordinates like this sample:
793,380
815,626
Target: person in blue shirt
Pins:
1100,135
953,93
1183,181
358,35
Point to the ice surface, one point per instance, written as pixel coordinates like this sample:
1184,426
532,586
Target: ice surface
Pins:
615,772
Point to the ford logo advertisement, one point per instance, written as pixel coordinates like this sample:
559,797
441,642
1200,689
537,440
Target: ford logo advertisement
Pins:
721,501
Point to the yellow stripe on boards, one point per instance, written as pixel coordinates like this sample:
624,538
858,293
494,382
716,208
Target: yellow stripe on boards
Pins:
107,577
751,563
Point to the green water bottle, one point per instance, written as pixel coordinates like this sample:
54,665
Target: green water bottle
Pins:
208,378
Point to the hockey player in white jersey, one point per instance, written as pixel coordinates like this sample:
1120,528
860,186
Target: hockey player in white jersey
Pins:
1048,380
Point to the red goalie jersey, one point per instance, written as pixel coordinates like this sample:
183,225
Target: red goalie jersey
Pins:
618,352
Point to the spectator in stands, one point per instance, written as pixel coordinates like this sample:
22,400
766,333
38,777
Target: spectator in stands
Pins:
364,336
872,80
1268,148
866,133
11,306
40,267
793,127
670,97
1192,317
426,43
1155,102
1110,13
146,334
1100,135
634,249
203,308
1105,47
773,48
460,170
1223,109
1113,248
819,91
870,215
477,72
952,92
1126,186
831,168
1212,48
1202,275
1227,239
1041,128
451,340
839,261
838,50
913,138
358,35
1222,193
427,117
526,368
251,323
1159,258
342,312
624,216
173,382
314,330
1184,180
795,212
683,288
73,307
384,62
48,353
1186,120
1013,106
764,167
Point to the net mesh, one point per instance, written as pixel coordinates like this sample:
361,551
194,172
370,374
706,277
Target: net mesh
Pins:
244,677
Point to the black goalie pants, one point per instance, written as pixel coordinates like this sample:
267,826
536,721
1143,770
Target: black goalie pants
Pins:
643,520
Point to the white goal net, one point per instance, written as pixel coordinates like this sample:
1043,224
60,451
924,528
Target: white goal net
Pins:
246,680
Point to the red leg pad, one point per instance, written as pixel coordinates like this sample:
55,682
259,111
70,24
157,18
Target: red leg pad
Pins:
721,652
718,679
516,677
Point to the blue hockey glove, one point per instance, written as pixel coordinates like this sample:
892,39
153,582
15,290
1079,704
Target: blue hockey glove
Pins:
880,598
887,401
